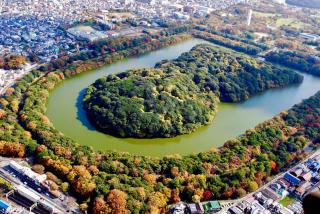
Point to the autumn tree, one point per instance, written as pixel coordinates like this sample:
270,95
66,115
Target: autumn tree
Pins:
38,168
12,149
100,206
157,200
117,201
82,181
252,186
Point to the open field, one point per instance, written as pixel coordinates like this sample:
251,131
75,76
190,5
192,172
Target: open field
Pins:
280,20
290,22
265,15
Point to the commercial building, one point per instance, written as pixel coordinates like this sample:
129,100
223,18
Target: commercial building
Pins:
23,191
30,174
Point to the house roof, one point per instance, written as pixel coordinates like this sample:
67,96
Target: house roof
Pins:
215,204
291,178
193,207
298,171
307,176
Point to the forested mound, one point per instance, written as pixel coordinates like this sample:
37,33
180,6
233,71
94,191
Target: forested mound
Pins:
232,76
305,3
178,96
117,182
149,103
296,60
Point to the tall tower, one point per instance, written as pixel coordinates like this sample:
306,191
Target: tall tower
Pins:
249,17
249,12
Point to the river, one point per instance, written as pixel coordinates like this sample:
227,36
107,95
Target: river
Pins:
64,110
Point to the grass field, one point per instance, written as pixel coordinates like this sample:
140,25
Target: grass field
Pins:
261,14
287,201
280,21
290,22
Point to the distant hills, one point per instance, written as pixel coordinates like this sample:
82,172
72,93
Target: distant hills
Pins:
305,3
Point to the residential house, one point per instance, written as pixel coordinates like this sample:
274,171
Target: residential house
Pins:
196,208
293,180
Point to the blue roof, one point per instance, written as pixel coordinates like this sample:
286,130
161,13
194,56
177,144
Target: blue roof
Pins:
291,178
3,205
215,204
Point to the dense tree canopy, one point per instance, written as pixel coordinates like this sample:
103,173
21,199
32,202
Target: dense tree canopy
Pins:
149,103
232,76
12,62
120,182
229,40
180,95
296,60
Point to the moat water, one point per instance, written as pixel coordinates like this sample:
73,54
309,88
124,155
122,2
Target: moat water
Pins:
65,111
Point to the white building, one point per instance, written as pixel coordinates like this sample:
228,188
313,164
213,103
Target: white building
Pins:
309,36
28,172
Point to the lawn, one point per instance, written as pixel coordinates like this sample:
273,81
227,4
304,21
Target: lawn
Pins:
287,201
290,22
266,15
